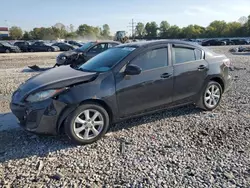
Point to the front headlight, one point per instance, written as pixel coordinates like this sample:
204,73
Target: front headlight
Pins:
43,95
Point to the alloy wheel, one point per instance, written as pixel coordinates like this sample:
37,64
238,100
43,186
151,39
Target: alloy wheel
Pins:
88,124
212,96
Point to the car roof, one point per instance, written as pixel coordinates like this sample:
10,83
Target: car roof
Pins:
155,42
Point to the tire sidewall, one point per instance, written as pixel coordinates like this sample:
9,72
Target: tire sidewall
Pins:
203,93
69,123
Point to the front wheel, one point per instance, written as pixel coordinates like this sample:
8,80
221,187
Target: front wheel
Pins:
87,124
211,96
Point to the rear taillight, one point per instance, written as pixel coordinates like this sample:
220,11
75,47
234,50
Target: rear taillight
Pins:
227,63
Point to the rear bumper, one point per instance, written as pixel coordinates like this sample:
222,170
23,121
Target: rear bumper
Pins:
39,118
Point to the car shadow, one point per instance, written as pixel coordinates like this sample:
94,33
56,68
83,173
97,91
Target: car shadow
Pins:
16,143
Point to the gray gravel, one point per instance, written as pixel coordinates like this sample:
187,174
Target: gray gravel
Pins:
183,147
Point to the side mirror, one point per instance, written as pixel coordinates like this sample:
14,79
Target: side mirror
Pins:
132,70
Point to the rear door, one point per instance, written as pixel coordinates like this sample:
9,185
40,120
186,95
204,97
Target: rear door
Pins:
152,88
93,51
190,71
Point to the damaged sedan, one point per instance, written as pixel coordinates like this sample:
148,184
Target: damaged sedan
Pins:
125,81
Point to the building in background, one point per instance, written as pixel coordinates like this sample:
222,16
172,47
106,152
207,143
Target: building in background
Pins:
4,32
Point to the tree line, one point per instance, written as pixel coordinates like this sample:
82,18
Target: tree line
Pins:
150,30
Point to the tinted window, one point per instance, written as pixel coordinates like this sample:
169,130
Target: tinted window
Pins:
152,59
98,48
86,46
182,55
110,45
106,60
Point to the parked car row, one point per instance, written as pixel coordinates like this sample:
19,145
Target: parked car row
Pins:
223,42
38,46
118,83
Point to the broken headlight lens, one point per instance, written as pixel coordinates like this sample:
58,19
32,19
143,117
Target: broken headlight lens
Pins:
43,95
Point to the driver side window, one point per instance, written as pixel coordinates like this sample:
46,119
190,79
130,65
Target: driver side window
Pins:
98,48
152,59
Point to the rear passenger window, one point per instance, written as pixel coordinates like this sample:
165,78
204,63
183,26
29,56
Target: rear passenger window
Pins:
182,55
152,59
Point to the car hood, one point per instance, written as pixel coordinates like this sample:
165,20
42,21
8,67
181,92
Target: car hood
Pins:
56,78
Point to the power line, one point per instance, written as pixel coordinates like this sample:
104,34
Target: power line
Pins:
132,25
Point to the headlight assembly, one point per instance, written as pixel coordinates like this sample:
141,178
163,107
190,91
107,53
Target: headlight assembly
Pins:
43,95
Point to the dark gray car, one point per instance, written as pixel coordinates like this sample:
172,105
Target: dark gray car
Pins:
84,53
124,81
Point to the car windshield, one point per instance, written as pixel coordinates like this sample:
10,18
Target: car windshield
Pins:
86,46
5,43
106,60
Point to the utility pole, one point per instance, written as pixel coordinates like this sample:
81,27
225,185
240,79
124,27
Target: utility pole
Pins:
132,26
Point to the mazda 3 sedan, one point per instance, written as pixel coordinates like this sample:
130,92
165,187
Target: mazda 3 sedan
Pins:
122,82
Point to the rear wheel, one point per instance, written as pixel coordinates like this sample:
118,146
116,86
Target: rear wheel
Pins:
87,123
7,51
49,50
211,96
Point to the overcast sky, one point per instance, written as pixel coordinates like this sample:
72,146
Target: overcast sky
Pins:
118,13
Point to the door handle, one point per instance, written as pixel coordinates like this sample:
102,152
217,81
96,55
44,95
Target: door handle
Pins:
202,67
166,75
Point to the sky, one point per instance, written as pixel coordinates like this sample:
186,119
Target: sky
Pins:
28,14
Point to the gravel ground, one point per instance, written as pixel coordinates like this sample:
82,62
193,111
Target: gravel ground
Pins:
183,147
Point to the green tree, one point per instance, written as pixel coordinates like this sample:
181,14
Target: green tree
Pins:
140,30
242,20
71,35
164,27
193,31
233,29
27,36
71,28
174,32
16,32
105,31
217,29
151,29
85,30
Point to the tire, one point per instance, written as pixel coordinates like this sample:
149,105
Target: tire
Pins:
203,103
49,50
85,126
7,51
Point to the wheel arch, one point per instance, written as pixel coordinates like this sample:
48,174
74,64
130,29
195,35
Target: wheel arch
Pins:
71,109
102,104
218,80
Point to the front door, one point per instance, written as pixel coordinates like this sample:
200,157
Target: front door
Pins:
190,71
151,88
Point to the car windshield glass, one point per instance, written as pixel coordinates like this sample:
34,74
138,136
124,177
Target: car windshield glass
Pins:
5,43
86,46
106,60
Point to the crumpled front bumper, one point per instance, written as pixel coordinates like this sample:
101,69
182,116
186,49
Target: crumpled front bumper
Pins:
41,117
